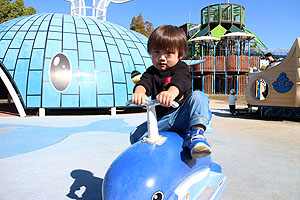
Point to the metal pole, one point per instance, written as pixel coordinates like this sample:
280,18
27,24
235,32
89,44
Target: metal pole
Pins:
225,92
249,55
202,66
214,68
192,67
237,78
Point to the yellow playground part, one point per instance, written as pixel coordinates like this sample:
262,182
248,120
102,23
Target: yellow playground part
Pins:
278,86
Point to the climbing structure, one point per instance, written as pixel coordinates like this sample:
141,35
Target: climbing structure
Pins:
219,19
228,60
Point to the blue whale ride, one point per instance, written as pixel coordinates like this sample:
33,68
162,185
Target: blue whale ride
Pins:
158,168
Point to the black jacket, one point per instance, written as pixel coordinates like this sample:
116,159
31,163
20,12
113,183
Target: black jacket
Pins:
155,81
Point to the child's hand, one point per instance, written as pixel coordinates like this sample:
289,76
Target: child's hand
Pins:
166,98
138,98
139,95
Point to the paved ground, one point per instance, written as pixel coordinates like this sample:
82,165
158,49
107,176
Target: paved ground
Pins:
39,156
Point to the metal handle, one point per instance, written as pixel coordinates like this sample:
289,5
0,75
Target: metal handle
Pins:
154,102
153,135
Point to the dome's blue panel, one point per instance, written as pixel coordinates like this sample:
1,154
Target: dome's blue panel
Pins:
113,52
46,70
30,35
18,39
118,72
101,56
85,51
120,94
69,27
10,59
102,61
129,84
55,35
34,83
122,46
4,45
88,95
53,47
104,83
21,75
128,63
44,26
34,101
74,85
104,100
83,38
37,59
26,49
40,39
70,101
98,44
72,55
87,71
50,98
69,41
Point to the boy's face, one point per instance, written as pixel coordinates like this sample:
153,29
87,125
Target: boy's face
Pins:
164,60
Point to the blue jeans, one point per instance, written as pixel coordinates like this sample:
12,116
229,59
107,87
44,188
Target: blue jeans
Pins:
195,110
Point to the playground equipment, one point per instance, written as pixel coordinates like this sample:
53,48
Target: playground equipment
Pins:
237,36
281,85
231,59
98,9
219,19
209,41
159,168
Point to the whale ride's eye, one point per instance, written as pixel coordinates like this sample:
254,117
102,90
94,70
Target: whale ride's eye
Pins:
159,195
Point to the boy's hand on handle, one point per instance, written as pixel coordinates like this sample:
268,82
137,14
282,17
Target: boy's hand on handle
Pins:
138,98
167,97
139,95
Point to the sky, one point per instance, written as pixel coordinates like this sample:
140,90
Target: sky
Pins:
276,23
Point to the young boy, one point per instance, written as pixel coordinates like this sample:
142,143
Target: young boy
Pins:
232,100
168,80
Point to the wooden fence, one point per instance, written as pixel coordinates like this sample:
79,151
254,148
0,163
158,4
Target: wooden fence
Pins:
232,63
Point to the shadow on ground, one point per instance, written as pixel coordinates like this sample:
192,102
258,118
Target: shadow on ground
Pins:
86,182
254,115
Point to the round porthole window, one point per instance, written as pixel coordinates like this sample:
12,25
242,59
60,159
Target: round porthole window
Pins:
260,89
60,72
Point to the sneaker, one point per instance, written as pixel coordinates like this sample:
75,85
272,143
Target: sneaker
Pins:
198,144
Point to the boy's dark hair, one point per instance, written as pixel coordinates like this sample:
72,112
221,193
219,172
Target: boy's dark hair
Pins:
168,37
268,54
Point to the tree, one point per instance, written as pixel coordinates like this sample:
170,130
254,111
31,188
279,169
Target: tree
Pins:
138,25
13,10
